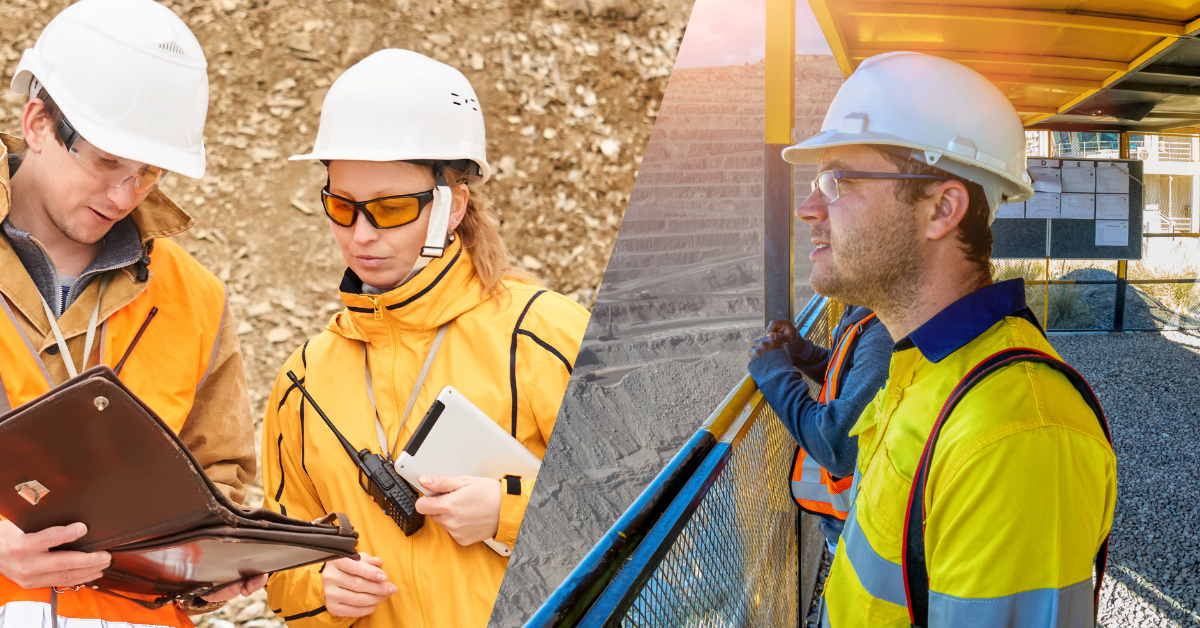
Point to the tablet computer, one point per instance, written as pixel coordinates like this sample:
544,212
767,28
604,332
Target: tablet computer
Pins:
457,438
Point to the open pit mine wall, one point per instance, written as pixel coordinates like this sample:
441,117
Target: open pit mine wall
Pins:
681,298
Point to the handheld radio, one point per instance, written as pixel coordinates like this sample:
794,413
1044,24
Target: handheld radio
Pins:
391,492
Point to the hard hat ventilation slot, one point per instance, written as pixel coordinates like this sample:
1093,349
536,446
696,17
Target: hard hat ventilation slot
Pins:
172,47
465,102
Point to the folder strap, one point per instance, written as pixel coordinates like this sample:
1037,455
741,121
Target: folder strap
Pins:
412,397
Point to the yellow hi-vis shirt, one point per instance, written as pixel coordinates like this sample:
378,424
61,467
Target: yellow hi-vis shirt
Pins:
1021,487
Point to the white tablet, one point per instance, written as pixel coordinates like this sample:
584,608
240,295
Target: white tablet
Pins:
457,438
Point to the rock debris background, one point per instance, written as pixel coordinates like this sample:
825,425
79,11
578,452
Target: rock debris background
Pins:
570,90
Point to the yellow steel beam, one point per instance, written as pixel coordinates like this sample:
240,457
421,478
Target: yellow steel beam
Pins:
1043,80
1031,109
1011,59
780,71
1142,59
833,34
1024,17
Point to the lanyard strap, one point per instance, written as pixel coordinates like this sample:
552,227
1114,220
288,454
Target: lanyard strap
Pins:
412,397
91,332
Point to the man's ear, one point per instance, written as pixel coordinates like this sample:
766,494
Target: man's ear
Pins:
37,128
946,209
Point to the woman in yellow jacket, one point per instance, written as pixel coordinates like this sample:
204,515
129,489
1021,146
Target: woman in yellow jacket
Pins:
403,139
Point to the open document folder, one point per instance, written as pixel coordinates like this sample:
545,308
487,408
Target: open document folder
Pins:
456,438
91,451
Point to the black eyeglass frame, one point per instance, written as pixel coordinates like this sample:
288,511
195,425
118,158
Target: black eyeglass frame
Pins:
838,175
423,200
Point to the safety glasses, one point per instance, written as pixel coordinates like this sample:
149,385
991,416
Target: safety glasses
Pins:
113,171
383,213
827,181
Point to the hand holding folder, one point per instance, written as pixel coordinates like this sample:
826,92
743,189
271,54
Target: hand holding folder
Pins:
89,451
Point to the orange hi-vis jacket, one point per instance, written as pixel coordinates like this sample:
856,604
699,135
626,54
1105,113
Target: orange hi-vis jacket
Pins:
814,488
185,349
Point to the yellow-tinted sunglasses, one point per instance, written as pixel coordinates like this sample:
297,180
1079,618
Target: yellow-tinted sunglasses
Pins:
383,213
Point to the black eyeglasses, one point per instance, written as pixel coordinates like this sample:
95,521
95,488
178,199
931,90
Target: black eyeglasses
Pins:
827,181
383,213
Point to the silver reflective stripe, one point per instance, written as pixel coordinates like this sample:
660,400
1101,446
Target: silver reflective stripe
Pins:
5,406
1068,607
881,578
841,501
37,615
811,471
812,492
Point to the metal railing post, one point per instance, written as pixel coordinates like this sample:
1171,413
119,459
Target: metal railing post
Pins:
1122,265
779,266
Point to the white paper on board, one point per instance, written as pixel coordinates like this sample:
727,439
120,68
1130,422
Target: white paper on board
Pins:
1112,178
1011,210
1079,176
1045,163
1112,207
1078,206
1112,233
1046,179
1042,205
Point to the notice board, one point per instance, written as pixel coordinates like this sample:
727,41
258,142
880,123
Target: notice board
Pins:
1081,209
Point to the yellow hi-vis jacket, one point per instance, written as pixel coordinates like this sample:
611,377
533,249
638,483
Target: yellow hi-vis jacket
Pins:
511,355
1021,490
187,366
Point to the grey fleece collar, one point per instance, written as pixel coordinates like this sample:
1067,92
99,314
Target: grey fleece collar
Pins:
121,247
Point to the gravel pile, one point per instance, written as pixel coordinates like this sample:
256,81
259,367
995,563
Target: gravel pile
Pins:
1150,390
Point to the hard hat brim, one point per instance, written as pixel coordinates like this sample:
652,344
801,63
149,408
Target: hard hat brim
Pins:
113,141
485,170
809,152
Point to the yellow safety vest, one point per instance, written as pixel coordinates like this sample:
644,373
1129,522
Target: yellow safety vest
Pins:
1020,493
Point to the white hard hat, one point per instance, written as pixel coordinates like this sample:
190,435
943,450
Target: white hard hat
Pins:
399,105
949,115
129,76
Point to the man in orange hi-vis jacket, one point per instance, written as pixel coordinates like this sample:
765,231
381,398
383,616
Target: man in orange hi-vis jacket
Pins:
118,95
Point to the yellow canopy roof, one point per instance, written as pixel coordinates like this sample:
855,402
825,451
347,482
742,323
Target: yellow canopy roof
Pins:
1099,65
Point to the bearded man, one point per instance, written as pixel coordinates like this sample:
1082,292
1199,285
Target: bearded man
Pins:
1015,503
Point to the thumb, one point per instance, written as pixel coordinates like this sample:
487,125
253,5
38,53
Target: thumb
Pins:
440,484
58,535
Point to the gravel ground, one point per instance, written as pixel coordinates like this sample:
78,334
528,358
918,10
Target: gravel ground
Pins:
1153,405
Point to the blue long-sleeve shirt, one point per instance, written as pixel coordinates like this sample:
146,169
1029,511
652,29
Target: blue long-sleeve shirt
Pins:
823,429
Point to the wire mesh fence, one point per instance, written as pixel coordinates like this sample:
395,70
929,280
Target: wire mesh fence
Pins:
1161,290
735,562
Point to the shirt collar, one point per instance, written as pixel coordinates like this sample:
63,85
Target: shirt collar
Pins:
967,318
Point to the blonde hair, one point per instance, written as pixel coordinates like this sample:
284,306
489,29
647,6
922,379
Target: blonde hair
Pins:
481,238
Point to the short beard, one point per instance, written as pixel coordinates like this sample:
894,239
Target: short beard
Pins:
878,267
69,230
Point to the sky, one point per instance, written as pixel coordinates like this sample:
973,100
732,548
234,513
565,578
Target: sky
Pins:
733,32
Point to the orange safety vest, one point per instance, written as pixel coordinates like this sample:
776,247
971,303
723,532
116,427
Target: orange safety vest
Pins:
815,489
165,369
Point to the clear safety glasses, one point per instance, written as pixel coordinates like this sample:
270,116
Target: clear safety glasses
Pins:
383,213
113,171
827,181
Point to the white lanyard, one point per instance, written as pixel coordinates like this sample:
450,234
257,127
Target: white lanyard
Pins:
412,397
91,331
